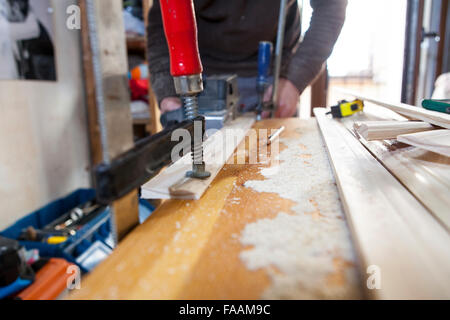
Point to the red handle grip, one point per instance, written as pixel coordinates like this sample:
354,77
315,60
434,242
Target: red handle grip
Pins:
180,28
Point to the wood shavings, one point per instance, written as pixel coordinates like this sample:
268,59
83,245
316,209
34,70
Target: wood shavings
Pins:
299,249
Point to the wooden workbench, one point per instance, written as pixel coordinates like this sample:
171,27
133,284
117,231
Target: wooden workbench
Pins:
208,249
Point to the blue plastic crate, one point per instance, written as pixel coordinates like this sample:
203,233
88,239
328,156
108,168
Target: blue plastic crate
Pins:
99,229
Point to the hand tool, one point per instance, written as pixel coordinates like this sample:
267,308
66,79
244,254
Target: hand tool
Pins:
186,69
346,108
437,105
51,281
264,60
275,135
75,217
56,240
262,82
135,167
32,234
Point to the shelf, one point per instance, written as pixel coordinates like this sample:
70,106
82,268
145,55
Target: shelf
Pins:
136,44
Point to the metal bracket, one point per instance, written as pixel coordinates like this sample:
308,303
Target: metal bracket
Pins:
135,167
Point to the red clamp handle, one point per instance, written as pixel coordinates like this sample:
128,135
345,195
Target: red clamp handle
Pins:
180,28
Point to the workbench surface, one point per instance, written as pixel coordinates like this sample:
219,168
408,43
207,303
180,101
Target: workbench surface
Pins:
256,233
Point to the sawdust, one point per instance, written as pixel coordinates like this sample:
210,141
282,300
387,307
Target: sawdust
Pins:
299,249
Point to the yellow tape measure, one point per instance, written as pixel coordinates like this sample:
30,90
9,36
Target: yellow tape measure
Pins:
347,108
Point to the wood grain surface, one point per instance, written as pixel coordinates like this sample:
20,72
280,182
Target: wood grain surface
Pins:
425,174
394,233
172,182
383,130
437,141
191,249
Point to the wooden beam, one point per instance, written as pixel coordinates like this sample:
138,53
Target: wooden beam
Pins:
106,68
384,130
437,141
172,183
89,84
425,174
395,235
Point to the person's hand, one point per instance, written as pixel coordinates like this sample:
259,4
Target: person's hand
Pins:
288,98
170,104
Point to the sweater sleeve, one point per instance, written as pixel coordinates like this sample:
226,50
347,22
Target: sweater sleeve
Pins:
326,24
158,55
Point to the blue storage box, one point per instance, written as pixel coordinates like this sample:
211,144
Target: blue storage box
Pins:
98,229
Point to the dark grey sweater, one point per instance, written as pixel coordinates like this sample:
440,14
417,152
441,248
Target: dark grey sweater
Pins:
229,32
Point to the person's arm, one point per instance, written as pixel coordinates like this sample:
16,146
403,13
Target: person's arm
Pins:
326,23
159,60
300,68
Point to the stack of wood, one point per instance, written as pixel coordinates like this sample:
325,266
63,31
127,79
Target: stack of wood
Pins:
432,133
393,174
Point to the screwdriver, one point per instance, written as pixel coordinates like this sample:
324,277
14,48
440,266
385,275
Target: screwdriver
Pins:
262,82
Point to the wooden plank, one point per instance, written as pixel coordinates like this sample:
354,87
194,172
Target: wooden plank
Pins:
106,69
383,130
437,141
110,38
192,249
392,230
437,118
425,174
172,183
89,84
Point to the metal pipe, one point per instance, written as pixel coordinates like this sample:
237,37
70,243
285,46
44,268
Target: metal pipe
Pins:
414,16
279,51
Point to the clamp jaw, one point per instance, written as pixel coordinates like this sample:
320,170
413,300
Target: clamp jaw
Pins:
180,28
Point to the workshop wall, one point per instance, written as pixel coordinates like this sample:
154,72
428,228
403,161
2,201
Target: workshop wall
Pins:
44,149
